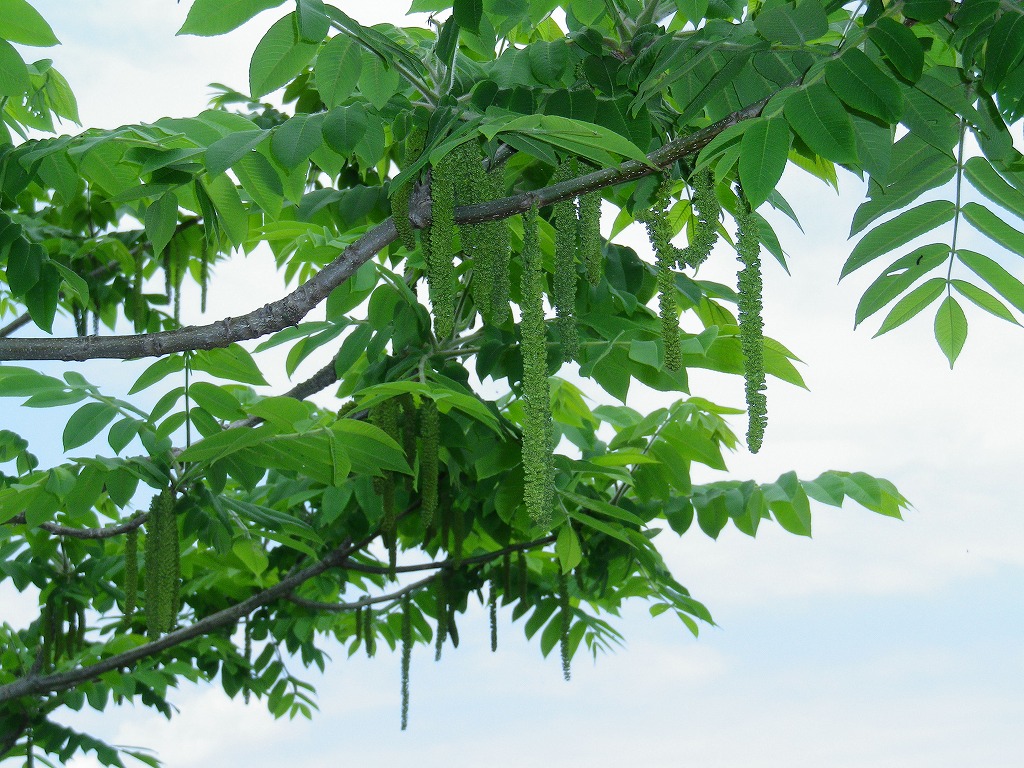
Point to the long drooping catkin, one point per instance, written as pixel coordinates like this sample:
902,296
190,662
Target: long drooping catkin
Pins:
748,247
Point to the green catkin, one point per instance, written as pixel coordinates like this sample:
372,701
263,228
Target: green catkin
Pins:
430,442
49,631
748,246
401,196
131,574
538,464
659,231
168,276
440,270
95,324
708,210
359,625
368,633
80,320
80,639
590,235
71,634
565,614
500,249
161,561
472,187
458,526
492,606
406,656
410,427
441,595
566,222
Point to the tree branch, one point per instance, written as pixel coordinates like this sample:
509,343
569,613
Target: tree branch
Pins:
33,685
108,532
289,310
315,605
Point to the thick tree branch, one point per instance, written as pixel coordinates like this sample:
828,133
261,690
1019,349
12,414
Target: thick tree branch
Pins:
108,532
289,310
33,685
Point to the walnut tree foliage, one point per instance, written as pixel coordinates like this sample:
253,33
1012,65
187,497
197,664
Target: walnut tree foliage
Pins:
434,193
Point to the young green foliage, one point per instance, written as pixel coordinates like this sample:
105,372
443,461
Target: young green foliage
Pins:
566,222
538,443
748,247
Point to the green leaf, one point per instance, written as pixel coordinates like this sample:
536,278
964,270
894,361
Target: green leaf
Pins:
994,228
791,25
927,10
225,443
13,71
231,213
344,128
468,14
161,221
251,554
983,177
898,277
21,23
859,82
900,47
337,69
1005,284
295,139
278,58
912,304
567,548
215,17
899,231
764,153
41,299
820,119
73,282
378,81
220,403
224,153
24,266
549,61
163,367
231,363
261,182
87,422
1004,49
588,139
984,299
312,20
123,433
950,329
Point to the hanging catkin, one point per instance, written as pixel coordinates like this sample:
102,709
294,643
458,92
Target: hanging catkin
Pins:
492,613
538,464
441,595
162,564
401,196
659,231
430,442
566,223
705,229
406,656
590,235
565,615
748,246
440,270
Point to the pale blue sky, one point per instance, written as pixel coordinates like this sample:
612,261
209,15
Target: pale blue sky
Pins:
878,642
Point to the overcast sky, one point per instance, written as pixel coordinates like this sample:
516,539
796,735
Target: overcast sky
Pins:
877,642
